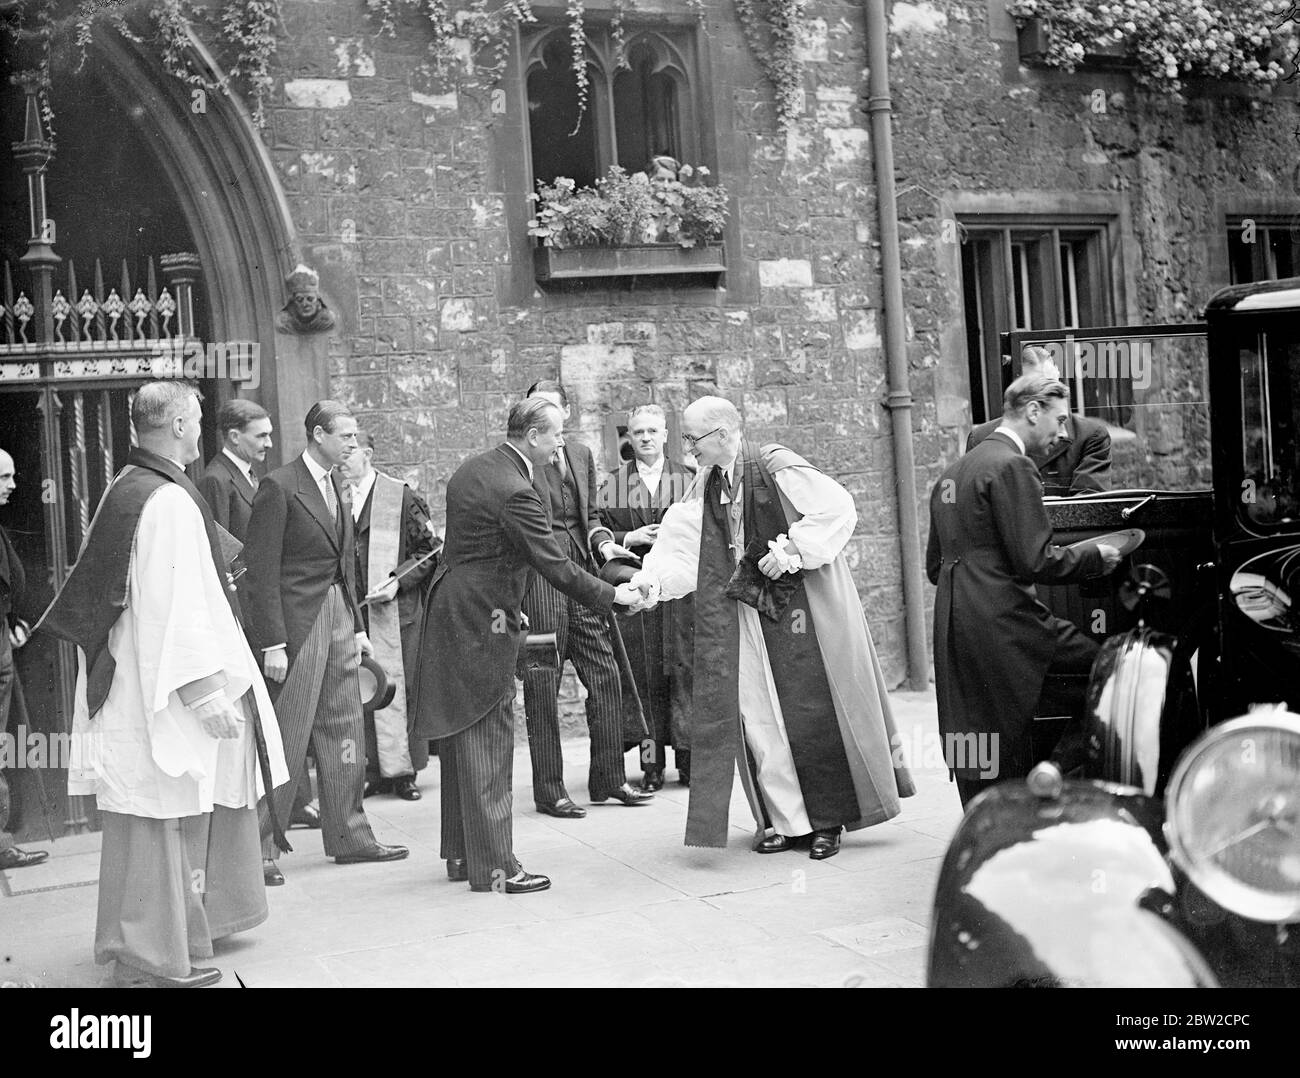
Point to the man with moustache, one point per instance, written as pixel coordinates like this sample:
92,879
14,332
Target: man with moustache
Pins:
303,618
168,716
567,487
660,642
786,678
228,484
14,631
498,535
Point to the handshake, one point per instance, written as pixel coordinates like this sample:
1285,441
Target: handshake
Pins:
638,594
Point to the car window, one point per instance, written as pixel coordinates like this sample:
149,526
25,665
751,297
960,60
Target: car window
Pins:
1152,392
1270,407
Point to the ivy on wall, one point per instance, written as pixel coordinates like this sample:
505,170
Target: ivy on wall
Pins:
472,40
242,32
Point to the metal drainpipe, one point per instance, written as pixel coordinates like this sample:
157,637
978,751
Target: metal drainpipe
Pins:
899,401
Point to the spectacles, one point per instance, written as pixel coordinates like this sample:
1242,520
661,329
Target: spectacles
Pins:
693,442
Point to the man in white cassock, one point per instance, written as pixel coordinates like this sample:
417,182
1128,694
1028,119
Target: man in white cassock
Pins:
787,683
173,731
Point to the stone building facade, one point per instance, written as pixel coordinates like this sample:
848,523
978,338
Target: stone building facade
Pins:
413,206
412,203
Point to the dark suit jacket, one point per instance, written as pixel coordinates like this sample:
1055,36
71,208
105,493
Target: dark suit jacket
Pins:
498,532
414,541
228,493
13,583
1078,462
582,466
990,541
294,553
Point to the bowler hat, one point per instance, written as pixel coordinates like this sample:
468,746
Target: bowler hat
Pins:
377,691
618,571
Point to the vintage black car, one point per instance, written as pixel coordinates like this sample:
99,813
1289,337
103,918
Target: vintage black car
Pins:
1174,858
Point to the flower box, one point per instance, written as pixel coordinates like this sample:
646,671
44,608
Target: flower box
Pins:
1034,39
646,260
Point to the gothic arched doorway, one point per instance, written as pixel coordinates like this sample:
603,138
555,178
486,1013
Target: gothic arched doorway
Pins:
179,233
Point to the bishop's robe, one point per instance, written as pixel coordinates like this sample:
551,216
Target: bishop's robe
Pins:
181,862
799,702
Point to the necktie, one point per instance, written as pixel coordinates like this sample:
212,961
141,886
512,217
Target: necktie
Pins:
252,479
331,499
559,460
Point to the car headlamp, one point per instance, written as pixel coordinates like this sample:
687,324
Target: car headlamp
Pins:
1232,815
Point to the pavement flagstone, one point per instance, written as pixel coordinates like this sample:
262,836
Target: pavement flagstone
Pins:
630,904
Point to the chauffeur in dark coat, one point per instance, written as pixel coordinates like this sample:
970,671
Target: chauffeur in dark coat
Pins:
990,541
1079,460
660,642
497,531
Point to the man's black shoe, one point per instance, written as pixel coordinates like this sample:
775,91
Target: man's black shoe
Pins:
13,857
458,870
406,789
521,883
271,874
653,779
307,816
377,786
775,844
626,795
825,843
377,852
563,809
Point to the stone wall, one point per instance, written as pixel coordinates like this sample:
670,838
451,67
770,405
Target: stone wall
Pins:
411,203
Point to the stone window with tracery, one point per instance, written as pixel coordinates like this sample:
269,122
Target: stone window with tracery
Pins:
643,108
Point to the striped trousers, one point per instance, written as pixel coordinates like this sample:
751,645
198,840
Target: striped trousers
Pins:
320,702
582,636
476,768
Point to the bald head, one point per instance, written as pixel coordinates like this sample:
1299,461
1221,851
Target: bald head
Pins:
711,430
7,481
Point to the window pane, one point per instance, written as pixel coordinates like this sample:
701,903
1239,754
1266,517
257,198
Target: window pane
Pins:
1283,253
1270,407
552,114
1152,392
645,112
1020,286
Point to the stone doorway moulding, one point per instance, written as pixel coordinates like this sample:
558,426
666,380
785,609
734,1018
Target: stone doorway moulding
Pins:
237,212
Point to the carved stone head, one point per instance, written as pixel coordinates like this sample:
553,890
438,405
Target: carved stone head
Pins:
306,311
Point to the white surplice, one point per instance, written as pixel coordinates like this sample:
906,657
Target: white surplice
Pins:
144,753
827,519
